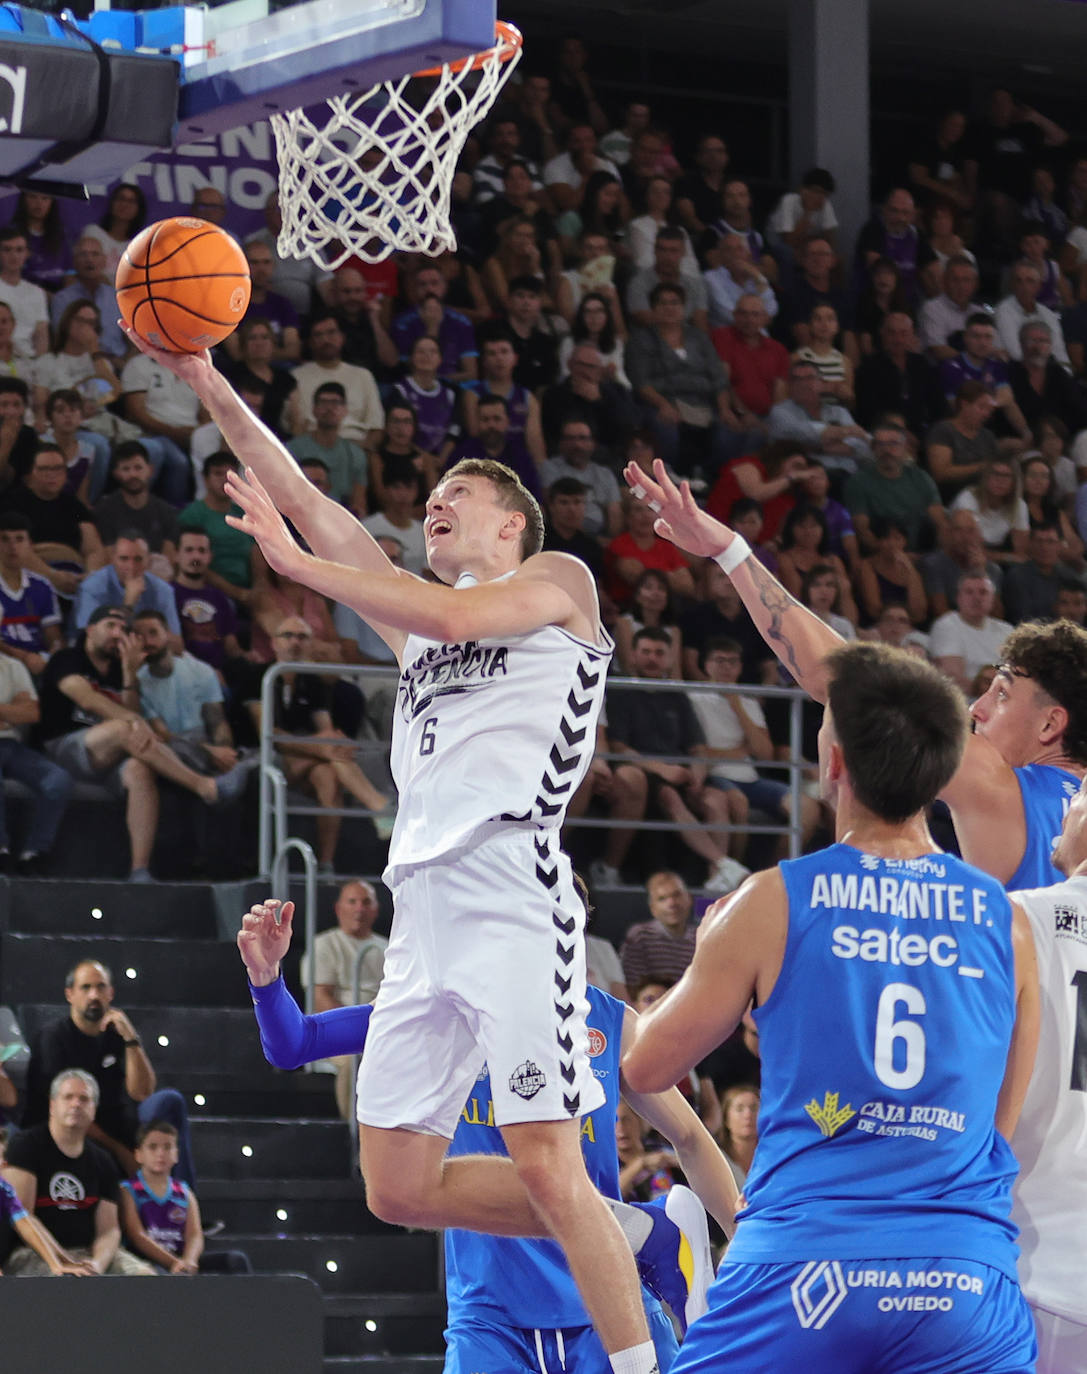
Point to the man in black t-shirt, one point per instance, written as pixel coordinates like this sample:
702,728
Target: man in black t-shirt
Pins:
564,532
722,616
70,1184
65,541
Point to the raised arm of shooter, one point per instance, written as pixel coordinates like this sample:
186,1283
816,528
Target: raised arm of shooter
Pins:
796,635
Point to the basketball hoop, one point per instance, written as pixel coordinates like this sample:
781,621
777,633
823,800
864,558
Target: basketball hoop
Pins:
377,176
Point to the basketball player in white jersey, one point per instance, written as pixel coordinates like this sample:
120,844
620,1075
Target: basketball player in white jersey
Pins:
503,664
1050,1141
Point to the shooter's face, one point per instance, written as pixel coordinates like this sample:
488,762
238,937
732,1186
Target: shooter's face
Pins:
463,525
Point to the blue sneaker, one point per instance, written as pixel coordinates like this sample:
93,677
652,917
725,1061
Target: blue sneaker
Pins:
675,1263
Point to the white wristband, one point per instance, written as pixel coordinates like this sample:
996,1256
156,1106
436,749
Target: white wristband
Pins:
731,558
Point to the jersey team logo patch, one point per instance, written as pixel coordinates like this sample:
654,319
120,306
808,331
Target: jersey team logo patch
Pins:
598,1042
828,1116
818,1291
527,1079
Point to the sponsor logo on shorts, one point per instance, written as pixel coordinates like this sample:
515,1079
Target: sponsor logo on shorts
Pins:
527,1079
828,1116
818,1291
598,1042
945,1279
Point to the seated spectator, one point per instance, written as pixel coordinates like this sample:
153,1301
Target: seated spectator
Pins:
63,537
567,175
965,639
1041,386
125,581
364,417
27,302
494,441
398,455
821,426
740,1129
520,252
1037,239
772,476
453,331
69,1184
434,402
942,227
132,507
503,148
737,738
640,547
943,319
977,363
49,258
642,231
834,368
588,394
1023,305
738,275
209,621
237,565
123,218
363,306
961,550
696,1087
804,214
1071,604
29,613
895,379
1031,588
996,499
644,725
805,545
603,212
698,193
618,143
76,363
564,527
880,295
253,368
325,766
668,253
814,285
86,454
50,786
959,449
96,1037
94,286
576,458
267,305
650,604
680,380
594,324
888,576
894,627
16,1219
721,615
891,233
344,459
279,597
737,221
841,537
168,412
521,196
18,440
160,1216
345,968
893,485
593,270
758,366
396,520
535,337
1044,508
88,729
822,592
662,947
297,279
497,364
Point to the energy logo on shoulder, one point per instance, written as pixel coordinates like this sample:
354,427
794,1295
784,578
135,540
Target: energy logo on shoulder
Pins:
818,1291
827,1115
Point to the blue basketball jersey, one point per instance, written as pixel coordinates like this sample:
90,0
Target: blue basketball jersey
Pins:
883,1047
163,1217
1047,793
526,1283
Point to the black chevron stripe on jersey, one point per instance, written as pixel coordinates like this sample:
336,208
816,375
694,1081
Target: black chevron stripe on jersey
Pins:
566,938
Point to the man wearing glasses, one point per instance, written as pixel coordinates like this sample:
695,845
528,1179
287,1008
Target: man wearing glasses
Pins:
893,487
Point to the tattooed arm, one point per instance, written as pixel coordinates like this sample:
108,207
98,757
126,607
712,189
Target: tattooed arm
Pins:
799,638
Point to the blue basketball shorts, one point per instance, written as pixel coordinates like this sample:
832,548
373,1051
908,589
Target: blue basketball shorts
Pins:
917,1316
474,1345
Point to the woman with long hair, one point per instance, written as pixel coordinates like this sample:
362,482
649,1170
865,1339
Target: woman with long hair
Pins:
124,216
76,362
888,576
805,544
821,592
257,341
650,605
12,362
740,1128
642,232
883,293
996,499
518,254
433,402
1044,509
49,259
604,210
594,323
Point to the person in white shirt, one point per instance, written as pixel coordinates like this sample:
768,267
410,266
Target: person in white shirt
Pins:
1022,305
168,413
395,521
565,176
27,302
967,638
800,215
365,414
947,313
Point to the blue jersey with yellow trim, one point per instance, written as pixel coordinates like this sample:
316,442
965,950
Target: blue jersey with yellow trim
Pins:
883,1046
1047,793
527,1283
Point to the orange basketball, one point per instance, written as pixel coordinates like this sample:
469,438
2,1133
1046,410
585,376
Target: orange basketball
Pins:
183,284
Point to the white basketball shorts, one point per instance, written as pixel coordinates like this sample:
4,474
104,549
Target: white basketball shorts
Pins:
486,964
1062,1344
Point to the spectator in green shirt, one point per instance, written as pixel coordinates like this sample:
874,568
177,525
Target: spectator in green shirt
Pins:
345,460
236,562
893,487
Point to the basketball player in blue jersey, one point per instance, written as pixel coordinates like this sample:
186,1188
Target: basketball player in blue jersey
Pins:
513,1307
896,1000
503,665
1022,764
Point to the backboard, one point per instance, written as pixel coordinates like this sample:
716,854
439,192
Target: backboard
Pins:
84,100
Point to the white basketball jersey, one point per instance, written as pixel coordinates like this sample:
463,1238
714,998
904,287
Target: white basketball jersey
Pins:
1050,1142
490,731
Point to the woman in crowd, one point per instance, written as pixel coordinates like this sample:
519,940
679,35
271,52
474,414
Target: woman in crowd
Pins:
882,293
943,235
805,545
650,604
595,271
739,1128
124,217
12,363
821,592
888,576
518,254
1051,437
594,323
996,499
463,288
773,477
835,369
50,258
433,401
258,342
1043,508
642,232
398,457
76,363
603,210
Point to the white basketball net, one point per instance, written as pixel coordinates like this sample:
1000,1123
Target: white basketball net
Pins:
377,177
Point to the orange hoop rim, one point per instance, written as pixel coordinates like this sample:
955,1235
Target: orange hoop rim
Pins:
507,41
